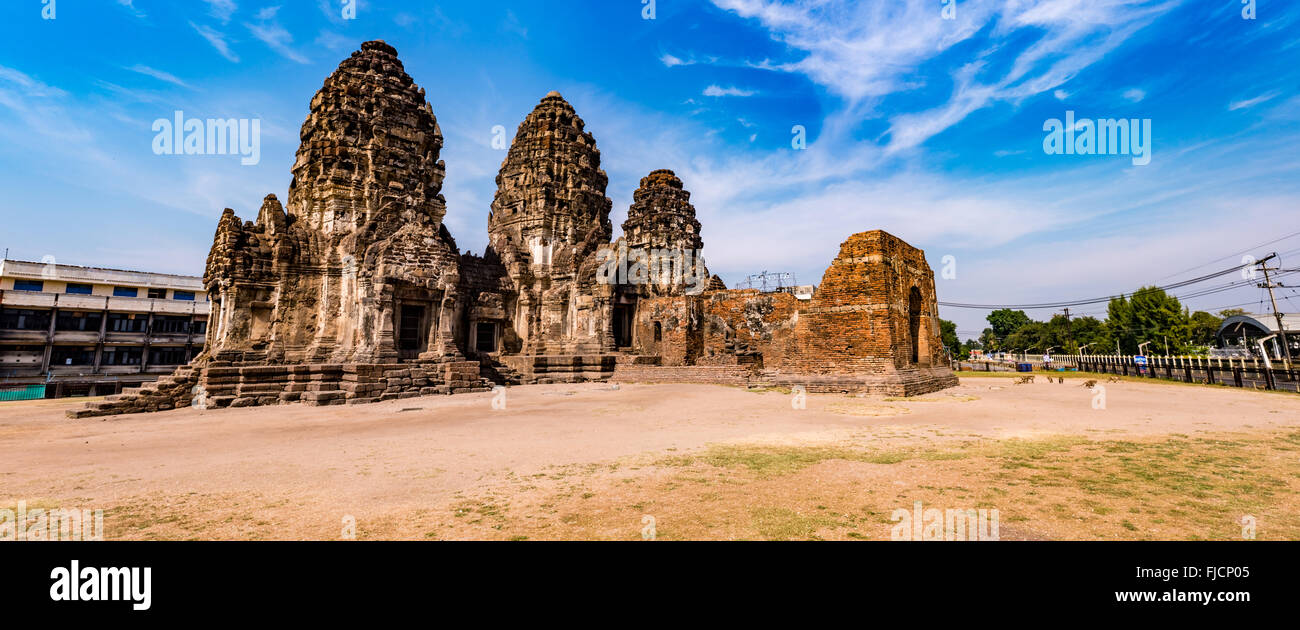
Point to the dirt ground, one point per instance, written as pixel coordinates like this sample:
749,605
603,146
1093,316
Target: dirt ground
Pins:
596,461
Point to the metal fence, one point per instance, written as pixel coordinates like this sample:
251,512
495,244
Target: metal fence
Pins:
26,392
1235,372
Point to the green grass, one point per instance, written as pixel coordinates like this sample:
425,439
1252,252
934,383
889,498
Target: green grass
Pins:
770,461
775,523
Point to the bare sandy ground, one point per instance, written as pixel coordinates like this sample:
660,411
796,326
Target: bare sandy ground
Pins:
593,461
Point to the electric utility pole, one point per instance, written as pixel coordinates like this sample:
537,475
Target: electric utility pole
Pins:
1069,334
1281,330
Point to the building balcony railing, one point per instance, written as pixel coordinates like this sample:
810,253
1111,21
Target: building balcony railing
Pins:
67,301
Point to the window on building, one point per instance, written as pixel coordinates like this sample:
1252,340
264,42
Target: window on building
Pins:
122,355
183,295
77,288
24,319
72,355
170,324
78,320
157,294
199,327
29,285
167,356
125,292
659,331
127,322
21,355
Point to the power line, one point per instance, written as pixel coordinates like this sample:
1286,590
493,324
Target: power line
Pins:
1244,251
1108,298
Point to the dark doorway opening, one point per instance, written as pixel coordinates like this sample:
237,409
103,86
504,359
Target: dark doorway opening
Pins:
914,323
410,329
622,326
485,337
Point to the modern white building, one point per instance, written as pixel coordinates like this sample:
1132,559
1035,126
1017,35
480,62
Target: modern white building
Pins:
1240,332
92,331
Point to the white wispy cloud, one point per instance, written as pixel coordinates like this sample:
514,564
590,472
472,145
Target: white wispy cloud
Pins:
513,25
158,74
864,51
333,41
268,31
130,6
673,60
714,90
222,9
28,85
217,40
1251,102
1135,95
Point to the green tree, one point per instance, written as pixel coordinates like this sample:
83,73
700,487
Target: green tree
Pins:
1092,332
1201,329
1030,336
1151,315
1006,321
989,342
948,333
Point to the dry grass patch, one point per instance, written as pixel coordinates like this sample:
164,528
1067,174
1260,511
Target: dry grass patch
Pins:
1055,487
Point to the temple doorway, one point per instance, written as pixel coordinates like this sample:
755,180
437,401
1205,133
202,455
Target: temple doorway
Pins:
914,323
622,326
485,336
411,331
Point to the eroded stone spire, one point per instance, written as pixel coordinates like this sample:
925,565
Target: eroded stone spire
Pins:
369,152
551,189
661,214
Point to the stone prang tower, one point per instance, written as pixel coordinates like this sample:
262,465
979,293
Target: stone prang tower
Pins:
549,215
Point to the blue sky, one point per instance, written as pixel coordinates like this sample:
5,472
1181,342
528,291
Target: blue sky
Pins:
927,127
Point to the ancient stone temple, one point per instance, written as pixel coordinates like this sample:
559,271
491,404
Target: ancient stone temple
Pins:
355,292
550,214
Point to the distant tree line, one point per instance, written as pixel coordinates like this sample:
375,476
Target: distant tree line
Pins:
1148,315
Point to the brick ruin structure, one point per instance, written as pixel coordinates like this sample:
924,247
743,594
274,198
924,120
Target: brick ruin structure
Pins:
355,291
